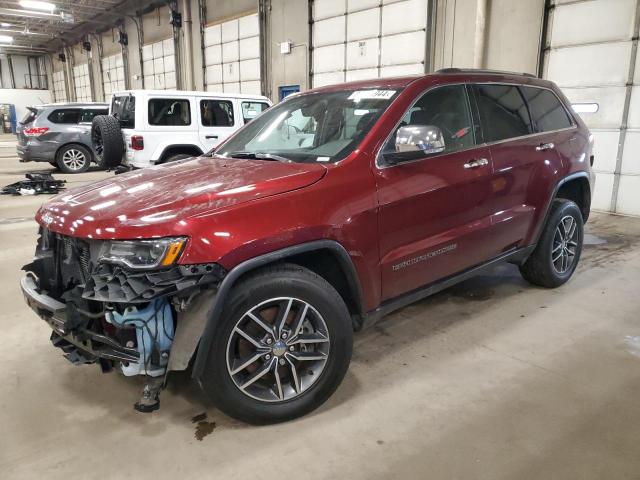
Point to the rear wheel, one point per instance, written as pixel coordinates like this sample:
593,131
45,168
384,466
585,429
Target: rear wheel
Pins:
281,347
73,159
106,139
558,251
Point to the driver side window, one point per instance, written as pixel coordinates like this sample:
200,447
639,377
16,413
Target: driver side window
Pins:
447,109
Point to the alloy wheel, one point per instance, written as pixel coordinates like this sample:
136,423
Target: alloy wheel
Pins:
278,349
565,244
74,159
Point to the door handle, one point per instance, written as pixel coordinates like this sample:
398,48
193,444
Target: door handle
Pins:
480,162
210,136
544,146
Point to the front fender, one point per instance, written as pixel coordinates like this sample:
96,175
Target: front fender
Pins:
214,309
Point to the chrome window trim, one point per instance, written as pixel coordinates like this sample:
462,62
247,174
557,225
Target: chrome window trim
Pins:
380,166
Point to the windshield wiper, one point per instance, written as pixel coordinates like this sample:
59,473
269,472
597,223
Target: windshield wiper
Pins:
259,156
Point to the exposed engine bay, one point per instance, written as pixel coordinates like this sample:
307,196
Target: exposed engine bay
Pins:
115,316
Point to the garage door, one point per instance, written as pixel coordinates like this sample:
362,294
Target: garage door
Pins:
361,39
59,87
594,60
82,82
159,65
112,74
232,56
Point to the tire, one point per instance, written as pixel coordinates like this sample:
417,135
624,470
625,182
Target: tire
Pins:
73,158
326,326
54,164
556,256
176,157
106,138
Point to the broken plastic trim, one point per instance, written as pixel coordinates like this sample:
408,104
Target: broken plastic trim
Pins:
112,283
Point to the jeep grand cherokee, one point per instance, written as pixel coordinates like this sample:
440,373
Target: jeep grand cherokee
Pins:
257,261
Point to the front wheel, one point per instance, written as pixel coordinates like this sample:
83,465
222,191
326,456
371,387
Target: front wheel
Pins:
556,256
281,347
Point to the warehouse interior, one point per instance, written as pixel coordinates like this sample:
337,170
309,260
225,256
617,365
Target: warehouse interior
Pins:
492,378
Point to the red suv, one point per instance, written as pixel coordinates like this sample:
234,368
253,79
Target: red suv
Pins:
255,263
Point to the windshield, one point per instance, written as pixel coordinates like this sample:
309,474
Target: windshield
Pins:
124,109
317,127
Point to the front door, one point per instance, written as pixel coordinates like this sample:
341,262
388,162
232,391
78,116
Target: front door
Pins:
434,216
217,120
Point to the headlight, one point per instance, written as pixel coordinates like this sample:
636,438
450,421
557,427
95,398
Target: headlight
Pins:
143,254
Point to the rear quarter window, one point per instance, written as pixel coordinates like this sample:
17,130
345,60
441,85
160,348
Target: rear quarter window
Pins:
547,112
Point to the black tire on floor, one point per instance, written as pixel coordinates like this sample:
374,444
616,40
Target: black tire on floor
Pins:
292,282
73,158
106,138
540,268
54,164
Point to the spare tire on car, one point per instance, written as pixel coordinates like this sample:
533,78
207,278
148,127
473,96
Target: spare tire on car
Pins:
106,140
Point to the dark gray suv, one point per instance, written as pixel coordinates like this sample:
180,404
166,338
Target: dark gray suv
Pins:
59,133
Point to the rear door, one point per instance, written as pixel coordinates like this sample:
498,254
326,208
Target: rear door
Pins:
523,162
434,218
217,119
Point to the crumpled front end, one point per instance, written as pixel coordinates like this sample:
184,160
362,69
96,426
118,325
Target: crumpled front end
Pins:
144,322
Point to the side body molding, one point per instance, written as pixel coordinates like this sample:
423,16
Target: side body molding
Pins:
234,274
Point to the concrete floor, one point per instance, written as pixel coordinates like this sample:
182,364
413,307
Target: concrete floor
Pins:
491,379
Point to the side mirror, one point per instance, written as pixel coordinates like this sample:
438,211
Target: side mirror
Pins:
427,139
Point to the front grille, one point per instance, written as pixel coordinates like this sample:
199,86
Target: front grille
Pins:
73,258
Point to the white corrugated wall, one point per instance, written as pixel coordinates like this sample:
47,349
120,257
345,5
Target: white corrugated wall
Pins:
594,59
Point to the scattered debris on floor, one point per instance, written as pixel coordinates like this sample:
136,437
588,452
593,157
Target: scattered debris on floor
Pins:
203,427
35,184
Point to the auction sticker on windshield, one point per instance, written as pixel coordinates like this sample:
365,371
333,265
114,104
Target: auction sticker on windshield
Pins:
364,94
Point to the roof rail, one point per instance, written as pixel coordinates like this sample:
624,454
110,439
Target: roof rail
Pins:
480,70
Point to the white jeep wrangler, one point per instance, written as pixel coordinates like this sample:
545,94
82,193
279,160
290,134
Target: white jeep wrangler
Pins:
148,127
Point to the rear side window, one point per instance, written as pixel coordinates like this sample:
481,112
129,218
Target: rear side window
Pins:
169,111
503,112
547,113
124,109
216,113
86,116
65,116
251,110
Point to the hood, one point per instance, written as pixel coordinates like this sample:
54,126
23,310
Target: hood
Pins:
161,197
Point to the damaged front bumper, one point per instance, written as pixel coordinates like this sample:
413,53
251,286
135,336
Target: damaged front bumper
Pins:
78,345
144,322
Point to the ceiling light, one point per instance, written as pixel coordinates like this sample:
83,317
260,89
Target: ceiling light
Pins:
6,39
38,5
5,25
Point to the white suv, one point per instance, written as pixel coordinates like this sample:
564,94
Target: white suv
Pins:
160,126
